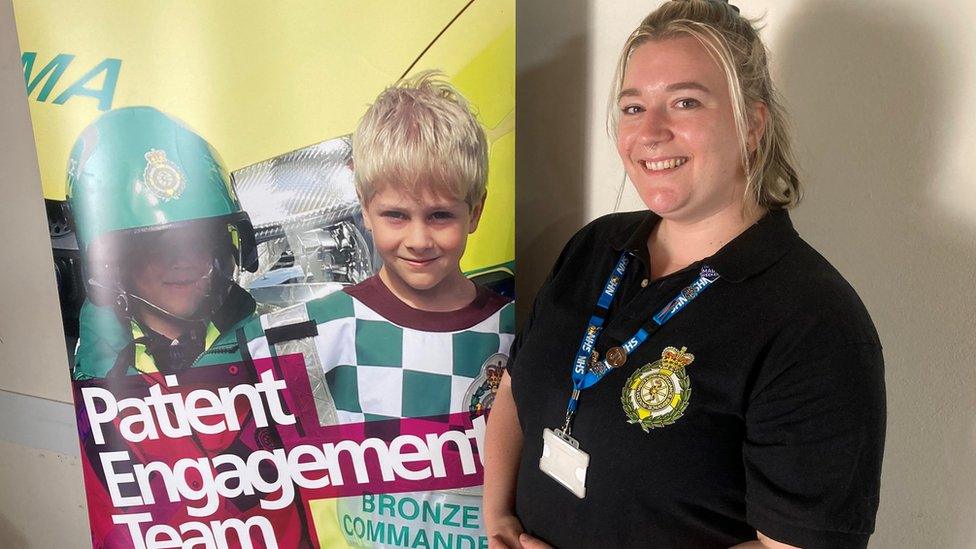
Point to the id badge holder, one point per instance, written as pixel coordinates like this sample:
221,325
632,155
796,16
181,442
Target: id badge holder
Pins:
563,460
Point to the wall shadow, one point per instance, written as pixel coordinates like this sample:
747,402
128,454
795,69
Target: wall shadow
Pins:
551,105
872,111
9,535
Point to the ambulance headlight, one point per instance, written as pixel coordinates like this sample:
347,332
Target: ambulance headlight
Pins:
307,223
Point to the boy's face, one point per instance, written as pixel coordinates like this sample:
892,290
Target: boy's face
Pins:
421,239
173,272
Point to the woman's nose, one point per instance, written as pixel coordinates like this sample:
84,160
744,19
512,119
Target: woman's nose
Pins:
655,128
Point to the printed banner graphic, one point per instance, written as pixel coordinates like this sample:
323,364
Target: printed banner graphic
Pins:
275,341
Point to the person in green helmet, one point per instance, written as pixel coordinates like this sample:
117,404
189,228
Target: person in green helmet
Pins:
162,236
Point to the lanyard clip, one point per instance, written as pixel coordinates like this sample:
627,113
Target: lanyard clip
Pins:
566,424
570,410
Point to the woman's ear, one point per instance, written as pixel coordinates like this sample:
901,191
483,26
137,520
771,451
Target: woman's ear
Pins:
758,115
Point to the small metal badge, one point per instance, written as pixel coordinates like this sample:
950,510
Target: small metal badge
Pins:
163,177
657,394
616,357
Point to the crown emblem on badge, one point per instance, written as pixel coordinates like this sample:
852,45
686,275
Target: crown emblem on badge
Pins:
155,156
163,177
673,359
657,394
481,393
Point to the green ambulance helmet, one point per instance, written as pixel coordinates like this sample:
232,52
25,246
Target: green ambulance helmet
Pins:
137,170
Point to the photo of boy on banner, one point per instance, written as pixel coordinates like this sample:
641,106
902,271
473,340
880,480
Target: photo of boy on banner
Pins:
416,350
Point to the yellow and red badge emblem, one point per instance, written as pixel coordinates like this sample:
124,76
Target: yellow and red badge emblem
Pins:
657,394
163,177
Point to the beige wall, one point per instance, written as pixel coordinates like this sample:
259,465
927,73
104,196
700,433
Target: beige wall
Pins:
31,360
42,501
883,95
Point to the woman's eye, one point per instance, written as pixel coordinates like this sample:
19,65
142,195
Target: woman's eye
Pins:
631,109
688,103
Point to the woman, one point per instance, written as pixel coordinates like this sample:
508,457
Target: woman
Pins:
729,385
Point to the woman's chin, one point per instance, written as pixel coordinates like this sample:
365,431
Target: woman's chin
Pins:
664,204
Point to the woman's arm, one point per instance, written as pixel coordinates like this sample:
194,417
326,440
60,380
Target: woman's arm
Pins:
764,542
503,450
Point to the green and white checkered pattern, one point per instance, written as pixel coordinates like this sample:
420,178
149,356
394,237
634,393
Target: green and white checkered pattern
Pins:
376,369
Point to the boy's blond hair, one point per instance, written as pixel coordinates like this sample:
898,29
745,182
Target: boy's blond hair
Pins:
420,135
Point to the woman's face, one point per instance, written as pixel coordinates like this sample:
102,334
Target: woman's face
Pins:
676,134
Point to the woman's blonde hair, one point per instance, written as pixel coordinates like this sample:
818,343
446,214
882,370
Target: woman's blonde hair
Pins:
420,134
733,41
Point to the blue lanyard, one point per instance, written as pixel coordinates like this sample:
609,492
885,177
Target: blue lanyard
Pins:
585,377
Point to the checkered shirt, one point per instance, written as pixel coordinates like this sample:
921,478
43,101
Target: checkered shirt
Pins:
376,369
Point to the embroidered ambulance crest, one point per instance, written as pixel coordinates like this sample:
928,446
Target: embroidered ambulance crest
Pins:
657,394
481,394
163,178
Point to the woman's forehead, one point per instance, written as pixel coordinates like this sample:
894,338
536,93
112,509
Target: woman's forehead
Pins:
672,64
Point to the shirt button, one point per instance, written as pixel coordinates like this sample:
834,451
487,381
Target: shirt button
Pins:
644,283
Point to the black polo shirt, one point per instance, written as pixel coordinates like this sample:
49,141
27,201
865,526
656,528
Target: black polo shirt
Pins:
784,427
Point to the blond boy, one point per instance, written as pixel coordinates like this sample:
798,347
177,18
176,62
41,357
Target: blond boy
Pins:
407,362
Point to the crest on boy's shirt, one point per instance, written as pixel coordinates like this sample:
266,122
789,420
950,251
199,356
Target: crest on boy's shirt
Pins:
657,394
481,394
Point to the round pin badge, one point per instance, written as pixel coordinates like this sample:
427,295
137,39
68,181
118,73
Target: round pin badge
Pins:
616,357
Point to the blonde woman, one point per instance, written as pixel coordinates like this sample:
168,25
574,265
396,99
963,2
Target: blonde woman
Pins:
693,374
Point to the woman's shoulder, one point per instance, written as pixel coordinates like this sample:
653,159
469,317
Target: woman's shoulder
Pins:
596,240
820,299
613,225
605,232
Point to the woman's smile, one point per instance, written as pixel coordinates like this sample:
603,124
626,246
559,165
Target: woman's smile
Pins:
663,165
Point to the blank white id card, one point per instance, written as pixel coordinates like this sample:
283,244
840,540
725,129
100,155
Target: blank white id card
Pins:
564,461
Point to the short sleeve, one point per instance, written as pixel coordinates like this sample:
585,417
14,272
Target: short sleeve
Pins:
813,446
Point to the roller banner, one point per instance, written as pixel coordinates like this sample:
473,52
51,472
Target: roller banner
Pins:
245,372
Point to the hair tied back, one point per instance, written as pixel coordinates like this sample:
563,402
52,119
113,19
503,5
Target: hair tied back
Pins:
726,2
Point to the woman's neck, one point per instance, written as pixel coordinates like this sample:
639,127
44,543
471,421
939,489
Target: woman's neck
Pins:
674,244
